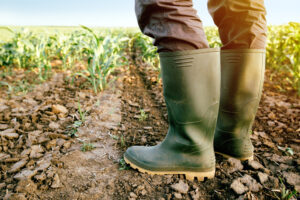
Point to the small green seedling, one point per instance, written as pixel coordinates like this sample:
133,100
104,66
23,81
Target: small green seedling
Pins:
123,165
87,147
286,194
287,151
81,113
143,115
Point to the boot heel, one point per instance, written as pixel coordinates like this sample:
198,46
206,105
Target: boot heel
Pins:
200,176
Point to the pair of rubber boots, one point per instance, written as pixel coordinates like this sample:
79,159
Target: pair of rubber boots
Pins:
212,97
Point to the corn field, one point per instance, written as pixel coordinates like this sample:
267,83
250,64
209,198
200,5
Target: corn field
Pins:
102,52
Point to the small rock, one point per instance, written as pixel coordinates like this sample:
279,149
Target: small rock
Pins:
54,125
3,107
67,144
144,192
255,165
244,184
40,177
11,160
292,179
262,134
269,143
42,139
181,187
271,123
3,126
177,195
10,186
56,181
9,135
42,165
251,183
59,109
60,142
2,185
36,151
4,156
238,187
262,177
51,144
25,174
284,167
147,128
32,137
17,166
132,195
195,194
235,165
25,152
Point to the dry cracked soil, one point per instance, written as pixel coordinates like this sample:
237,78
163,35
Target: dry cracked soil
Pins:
61,141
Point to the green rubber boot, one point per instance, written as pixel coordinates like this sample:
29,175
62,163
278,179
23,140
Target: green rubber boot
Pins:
191,84
242,76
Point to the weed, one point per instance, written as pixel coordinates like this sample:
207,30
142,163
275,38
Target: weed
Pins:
285,194
81,113
122,141
143,115
115,137
87,147
123,164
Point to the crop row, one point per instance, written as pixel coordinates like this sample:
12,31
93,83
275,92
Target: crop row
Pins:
102,52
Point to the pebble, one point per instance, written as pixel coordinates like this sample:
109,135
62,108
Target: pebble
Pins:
17,166
262,177
4,156
56,181
36,151
25,174
144,192
43,164
244,184
9,136
181,187
132,195
2,185
255,165
177,195
59,109
3,126
40,177
54,125
235,165
238,187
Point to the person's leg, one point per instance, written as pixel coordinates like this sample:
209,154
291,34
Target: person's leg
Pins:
242,28
191,86
173,24
241,23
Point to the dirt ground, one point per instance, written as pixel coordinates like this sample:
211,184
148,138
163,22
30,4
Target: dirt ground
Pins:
45,154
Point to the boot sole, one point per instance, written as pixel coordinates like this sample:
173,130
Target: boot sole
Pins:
242,158
200,176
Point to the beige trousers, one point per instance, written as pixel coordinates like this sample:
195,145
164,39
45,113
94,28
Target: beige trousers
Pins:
175,26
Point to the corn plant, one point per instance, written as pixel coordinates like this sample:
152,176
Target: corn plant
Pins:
283,51
104,58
